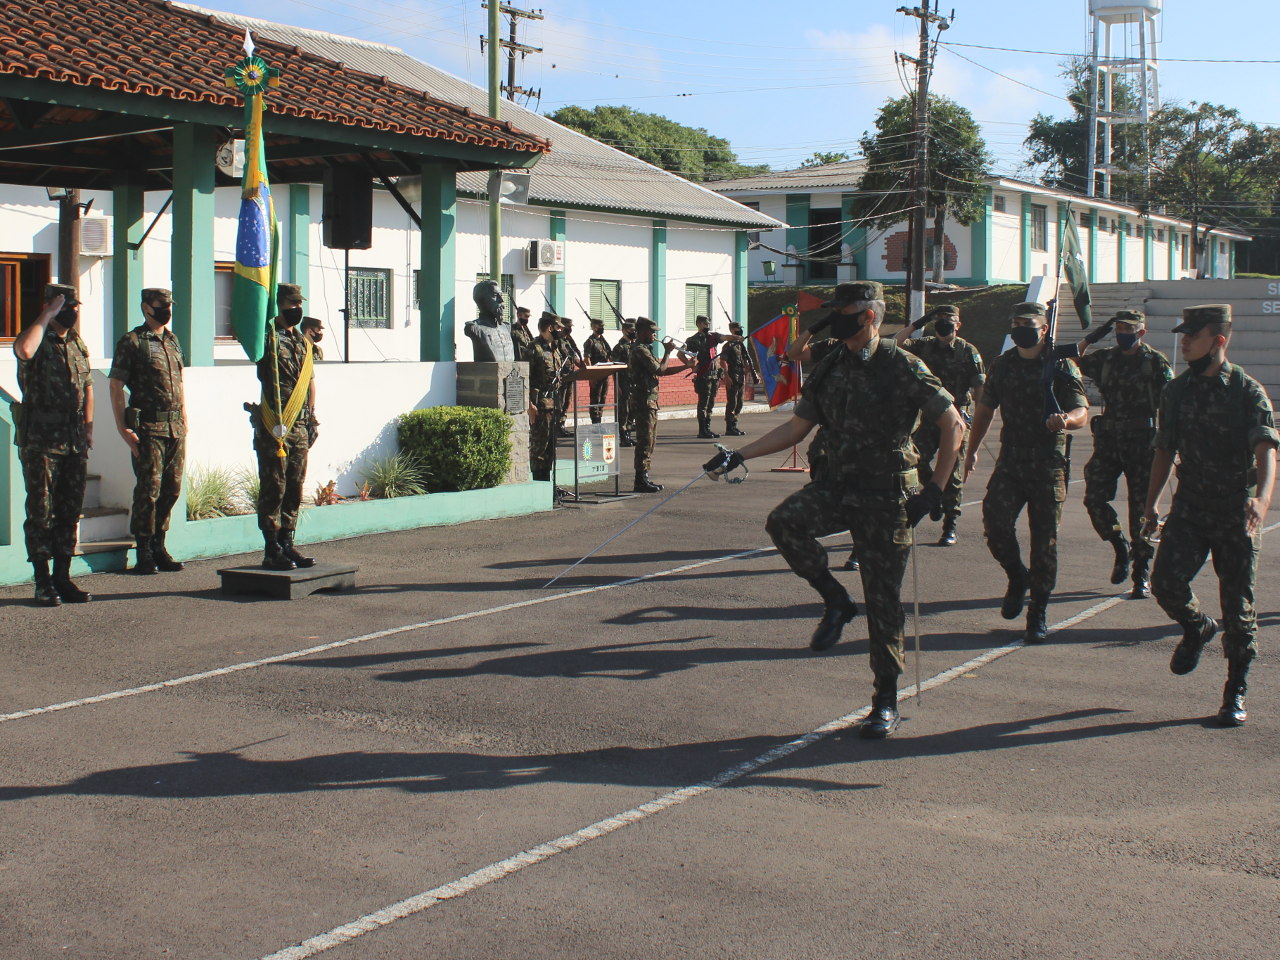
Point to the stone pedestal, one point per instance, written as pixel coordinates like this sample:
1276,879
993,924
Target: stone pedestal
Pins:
504,386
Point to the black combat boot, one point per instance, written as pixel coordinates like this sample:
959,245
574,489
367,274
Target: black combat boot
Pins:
840,609
731,430
273,558
1186,655
1120,572
46,596
288,549
627,439
644,484
704,429
1015,594
1037,628
1232,713
544,475
67,590
883,718
1141,580
145,561
948,538
165,562
852,563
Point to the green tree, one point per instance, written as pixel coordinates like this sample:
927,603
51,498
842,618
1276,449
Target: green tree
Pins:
823,157
1059,148
1212,168
690,152
959,165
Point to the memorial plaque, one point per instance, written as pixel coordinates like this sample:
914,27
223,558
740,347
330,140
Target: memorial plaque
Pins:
513,394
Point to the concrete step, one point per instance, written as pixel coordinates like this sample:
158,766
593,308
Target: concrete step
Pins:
103,523
93,490
104,546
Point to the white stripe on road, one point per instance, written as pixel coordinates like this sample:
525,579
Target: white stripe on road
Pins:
601,828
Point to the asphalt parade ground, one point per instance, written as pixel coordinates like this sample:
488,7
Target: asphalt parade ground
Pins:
644,760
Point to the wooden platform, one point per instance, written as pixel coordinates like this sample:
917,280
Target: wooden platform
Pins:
287,584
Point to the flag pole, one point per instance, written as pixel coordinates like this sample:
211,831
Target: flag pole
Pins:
794,466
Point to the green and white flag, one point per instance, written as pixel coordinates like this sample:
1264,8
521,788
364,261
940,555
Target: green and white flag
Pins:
1075,269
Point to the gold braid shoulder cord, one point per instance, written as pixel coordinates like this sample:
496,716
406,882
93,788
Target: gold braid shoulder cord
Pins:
280,426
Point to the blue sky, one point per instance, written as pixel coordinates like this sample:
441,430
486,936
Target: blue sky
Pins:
780,80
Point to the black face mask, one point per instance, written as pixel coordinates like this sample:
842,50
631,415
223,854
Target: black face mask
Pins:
1202,364
162,315
292,316
944,328
1025,337
845,325
66,318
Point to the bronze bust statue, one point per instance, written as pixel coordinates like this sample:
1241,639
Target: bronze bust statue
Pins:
490,334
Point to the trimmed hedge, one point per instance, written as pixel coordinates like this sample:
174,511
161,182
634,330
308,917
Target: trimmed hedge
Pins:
460,448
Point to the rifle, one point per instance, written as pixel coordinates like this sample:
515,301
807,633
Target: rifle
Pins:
1051,360
585,311
616,312
747,350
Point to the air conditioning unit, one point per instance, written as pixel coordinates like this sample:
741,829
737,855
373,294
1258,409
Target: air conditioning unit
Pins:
95,237
545,256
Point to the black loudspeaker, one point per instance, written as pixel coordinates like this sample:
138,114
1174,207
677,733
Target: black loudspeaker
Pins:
347,215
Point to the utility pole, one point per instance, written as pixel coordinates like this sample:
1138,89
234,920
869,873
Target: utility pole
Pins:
496,89
920,172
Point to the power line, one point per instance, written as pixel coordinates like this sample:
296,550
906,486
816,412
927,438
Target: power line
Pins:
1085,56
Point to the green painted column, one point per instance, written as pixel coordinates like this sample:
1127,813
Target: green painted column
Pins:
129,215
437,283
980,241
192,251
1172,234
658,277
1024,258
740,278
298,257
1122,253
1093,246
1148,252
1231,266
798,234
556,280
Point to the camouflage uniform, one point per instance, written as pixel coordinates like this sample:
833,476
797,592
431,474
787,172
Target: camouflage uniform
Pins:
1031,470
1122,435
55,448
1212,426
959,366
568,347
280,481
706,375
622,354
543,361
522,339
150,367
596,350
739,367
642,368
867,410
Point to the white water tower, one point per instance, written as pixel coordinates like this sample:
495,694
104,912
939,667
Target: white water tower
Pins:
1124,47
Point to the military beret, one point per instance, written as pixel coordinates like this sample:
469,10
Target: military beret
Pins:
52,290
289,291
1196,318
548,315
945,310
700,317
628,324
1135,317
847,293
1030,309
157,293
644,323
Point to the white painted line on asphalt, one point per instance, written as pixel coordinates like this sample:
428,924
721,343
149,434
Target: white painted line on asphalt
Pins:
545,851
377,635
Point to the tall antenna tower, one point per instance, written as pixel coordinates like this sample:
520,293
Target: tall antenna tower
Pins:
1124,49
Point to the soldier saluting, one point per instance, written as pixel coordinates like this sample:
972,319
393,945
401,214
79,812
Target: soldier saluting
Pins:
153,422
1217,421
55,433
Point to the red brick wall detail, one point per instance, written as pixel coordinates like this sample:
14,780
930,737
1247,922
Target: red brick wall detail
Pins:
895,252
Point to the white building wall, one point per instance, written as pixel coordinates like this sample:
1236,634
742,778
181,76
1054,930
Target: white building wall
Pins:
1006,240
703,256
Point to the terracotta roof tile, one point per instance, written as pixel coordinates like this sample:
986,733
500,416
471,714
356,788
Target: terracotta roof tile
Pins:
129,46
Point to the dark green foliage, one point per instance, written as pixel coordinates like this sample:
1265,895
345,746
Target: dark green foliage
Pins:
459,448
687,151
823,157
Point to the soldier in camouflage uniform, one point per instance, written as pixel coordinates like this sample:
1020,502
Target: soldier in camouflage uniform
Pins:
1031,470
1130,376
313,329
1217,421
55,432
739,363
544,375
622,354
153,422
596,350
644,369
867,400
958,365
282,448
706,373
568,348
521,336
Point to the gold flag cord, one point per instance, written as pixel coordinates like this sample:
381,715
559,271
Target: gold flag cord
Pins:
297,397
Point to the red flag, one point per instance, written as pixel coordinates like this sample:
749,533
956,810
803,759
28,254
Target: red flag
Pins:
780,375
807,301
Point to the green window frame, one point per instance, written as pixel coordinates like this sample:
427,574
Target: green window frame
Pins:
1039,227
599,307
369,297
697,302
